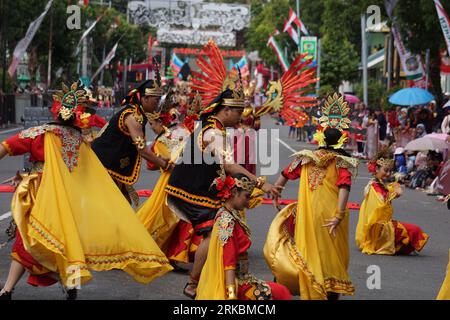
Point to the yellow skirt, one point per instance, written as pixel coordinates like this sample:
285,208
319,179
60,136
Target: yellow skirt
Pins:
79,221
444,293
156,216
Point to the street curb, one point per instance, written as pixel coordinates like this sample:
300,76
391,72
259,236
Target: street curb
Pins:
5,131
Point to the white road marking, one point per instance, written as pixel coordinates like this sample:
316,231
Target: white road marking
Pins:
11,130
5,216
286,145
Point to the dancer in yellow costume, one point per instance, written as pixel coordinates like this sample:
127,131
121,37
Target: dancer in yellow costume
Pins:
225,275
444,293
174,236
377,232
307,245
70,216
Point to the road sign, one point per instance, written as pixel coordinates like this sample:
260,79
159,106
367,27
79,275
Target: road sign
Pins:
309,45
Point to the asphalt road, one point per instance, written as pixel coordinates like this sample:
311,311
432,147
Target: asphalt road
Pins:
402,277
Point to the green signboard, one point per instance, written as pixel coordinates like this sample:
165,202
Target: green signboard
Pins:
309,45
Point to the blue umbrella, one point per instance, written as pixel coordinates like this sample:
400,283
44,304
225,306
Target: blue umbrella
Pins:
411,97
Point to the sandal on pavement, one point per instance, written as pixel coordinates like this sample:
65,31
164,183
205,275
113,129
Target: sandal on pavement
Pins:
187,293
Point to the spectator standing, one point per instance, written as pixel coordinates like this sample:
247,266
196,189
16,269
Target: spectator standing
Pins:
382,125
445,126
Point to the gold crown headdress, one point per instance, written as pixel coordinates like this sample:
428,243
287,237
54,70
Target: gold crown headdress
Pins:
245,184
382,158
68,99
335,111
225,183
334,115
156,90
250,89
234,83
385,162
163,107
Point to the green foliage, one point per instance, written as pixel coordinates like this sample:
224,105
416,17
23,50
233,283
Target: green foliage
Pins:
339,61
376,94
265,18
326,90
133,39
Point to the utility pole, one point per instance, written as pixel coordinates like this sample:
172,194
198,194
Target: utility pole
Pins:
298,28
389,69
103,59
319,51
84,58
124,75
364,58
50,43
3,33
427,63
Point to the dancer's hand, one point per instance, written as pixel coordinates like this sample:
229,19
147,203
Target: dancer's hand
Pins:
332,224
276,203
274,191
15,180
398,190
169,165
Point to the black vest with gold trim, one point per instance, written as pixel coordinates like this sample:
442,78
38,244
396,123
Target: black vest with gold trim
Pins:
191,182
115,149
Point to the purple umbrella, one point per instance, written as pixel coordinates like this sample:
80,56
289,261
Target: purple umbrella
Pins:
351,98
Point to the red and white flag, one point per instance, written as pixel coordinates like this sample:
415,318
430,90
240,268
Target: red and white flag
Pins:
294,19
281,57
276,32
23,44
292,32
445,22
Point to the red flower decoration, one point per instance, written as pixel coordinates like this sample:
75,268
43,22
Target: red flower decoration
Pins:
56,106
224,187
166,119
372,166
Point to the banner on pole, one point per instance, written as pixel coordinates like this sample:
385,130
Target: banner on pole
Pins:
445,22
107,60
85,34
23,44
412,64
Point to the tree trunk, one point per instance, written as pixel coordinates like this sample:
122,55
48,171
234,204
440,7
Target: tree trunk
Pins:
32,65
435,76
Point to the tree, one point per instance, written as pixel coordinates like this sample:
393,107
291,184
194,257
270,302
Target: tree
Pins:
339,60
265,18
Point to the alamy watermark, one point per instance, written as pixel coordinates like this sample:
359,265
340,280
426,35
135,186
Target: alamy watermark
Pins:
73,21
74,277
373,16
373,282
